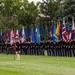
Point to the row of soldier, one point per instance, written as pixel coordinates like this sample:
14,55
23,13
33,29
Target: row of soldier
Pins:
59,49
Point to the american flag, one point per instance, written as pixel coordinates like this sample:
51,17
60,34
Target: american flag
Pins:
66,35
69,36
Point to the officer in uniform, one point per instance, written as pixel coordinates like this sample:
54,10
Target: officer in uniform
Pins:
59,48
63,47
42,45
17,50
73,43
56,49
29,48
69,47
42,38
37,48
41,48
66,49
48,45
32,48
0,45
73,47
46,48
52,49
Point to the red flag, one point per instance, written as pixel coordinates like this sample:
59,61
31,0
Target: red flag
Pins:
11,34
16,34
69,36
66,36
64,33
11,37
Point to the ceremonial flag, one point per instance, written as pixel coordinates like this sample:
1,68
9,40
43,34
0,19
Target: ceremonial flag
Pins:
16,34
8,36
1,38
60,31
54,34
73,35
73,27
11,37
69,36
48,28
23,34
0,34
20,33
64,33
26,32
51,34
11,34
46,33
67,27
38,34
58,28
42,30
32,35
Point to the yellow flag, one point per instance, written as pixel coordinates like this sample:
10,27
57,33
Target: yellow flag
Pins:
58,28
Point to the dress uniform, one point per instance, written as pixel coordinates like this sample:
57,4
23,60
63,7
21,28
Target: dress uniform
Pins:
63,48
52,49
35,49
60,48
41,48
17,51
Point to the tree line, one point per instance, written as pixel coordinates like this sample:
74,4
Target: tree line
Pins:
18,13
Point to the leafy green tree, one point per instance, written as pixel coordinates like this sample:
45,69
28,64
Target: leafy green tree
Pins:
48,8
16,13
7,13
28,14
67,9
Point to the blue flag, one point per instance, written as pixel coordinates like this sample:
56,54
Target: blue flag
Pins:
54,34
0,34
73,35
20,33
67,27
48,28
26,32
38,34
42,30
32,35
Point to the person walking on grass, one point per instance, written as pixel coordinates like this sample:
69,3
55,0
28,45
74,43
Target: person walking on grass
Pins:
17,51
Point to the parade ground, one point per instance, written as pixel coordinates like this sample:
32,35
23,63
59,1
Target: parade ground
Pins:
36,65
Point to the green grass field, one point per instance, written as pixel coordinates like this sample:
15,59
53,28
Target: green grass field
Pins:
36,65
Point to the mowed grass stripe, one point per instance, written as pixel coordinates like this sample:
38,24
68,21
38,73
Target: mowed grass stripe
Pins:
36,65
